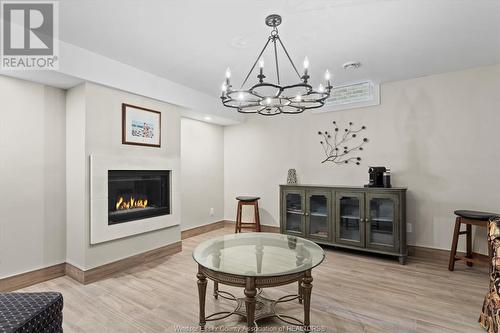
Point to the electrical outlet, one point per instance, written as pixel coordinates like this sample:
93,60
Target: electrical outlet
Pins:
212,212
409,227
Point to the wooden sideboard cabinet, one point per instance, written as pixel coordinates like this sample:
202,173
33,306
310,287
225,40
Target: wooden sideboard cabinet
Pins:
361,218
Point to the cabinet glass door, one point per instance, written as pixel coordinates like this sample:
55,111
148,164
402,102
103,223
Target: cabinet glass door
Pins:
294,212
383,214
318,215
349,218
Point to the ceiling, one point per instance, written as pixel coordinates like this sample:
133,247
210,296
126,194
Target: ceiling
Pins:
192,42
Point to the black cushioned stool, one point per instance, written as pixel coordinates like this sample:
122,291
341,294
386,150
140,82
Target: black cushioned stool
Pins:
247,201
469,218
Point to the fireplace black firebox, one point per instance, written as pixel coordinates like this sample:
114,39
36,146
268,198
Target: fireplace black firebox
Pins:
137,194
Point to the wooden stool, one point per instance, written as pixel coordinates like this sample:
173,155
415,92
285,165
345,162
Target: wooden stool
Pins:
469,218
247,201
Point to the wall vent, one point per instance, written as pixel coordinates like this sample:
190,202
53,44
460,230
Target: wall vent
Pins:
353,95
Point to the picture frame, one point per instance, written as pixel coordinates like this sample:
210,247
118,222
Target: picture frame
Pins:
140,126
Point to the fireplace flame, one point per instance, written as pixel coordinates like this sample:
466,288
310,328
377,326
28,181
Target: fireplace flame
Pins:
132,202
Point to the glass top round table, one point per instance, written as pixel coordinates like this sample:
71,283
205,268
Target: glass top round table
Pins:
258,254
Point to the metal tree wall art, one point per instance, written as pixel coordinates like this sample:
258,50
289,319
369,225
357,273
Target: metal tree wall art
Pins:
340,146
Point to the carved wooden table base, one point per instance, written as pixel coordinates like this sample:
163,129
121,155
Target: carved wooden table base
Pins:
254,306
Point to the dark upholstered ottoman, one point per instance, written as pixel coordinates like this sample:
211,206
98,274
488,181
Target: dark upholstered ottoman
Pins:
31,312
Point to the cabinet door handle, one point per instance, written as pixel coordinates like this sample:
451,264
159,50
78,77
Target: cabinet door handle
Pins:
306,214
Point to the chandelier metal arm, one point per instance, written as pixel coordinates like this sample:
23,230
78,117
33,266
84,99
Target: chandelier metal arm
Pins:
276,60
289,58
255,63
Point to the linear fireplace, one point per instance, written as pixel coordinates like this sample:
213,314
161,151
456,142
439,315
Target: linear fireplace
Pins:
137,194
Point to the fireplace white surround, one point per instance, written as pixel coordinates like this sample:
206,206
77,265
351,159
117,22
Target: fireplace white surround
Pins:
100,231
93,128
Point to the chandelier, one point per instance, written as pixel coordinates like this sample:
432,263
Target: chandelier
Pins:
268,98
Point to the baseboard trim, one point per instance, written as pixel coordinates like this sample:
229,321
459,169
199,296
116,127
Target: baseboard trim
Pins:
438,254
33,277
413,250
104,271
75,273
421,251
86,276
263,227
202,229
270,228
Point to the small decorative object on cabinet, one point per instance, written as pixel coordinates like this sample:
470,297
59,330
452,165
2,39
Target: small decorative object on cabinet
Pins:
361,218
292,177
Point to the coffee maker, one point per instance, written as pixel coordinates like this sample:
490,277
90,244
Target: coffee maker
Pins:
379,177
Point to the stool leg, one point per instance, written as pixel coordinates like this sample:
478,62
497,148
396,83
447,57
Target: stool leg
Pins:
454,243
469,244
257,217
238,218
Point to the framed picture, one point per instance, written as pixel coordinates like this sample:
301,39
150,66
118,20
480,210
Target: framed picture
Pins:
140,126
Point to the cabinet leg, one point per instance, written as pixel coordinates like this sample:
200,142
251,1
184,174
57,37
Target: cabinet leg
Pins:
402,260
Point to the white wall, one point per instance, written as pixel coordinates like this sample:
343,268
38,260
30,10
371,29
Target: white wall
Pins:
76,210
32,176
439,135
101,125
202,173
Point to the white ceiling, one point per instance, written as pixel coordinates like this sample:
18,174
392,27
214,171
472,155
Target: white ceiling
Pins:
192,42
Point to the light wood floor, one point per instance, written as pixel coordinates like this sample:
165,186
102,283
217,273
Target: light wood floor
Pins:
351,292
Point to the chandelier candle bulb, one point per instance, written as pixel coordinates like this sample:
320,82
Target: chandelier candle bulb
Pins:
261,71
327,79
327,75
223,90
228,76
321,89
306,65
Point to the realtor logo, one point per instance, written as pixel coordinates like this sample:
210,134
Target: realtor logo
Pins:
29,35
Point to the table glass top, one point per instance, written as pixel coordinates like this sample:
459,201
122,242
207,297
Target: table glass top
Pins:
258,254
